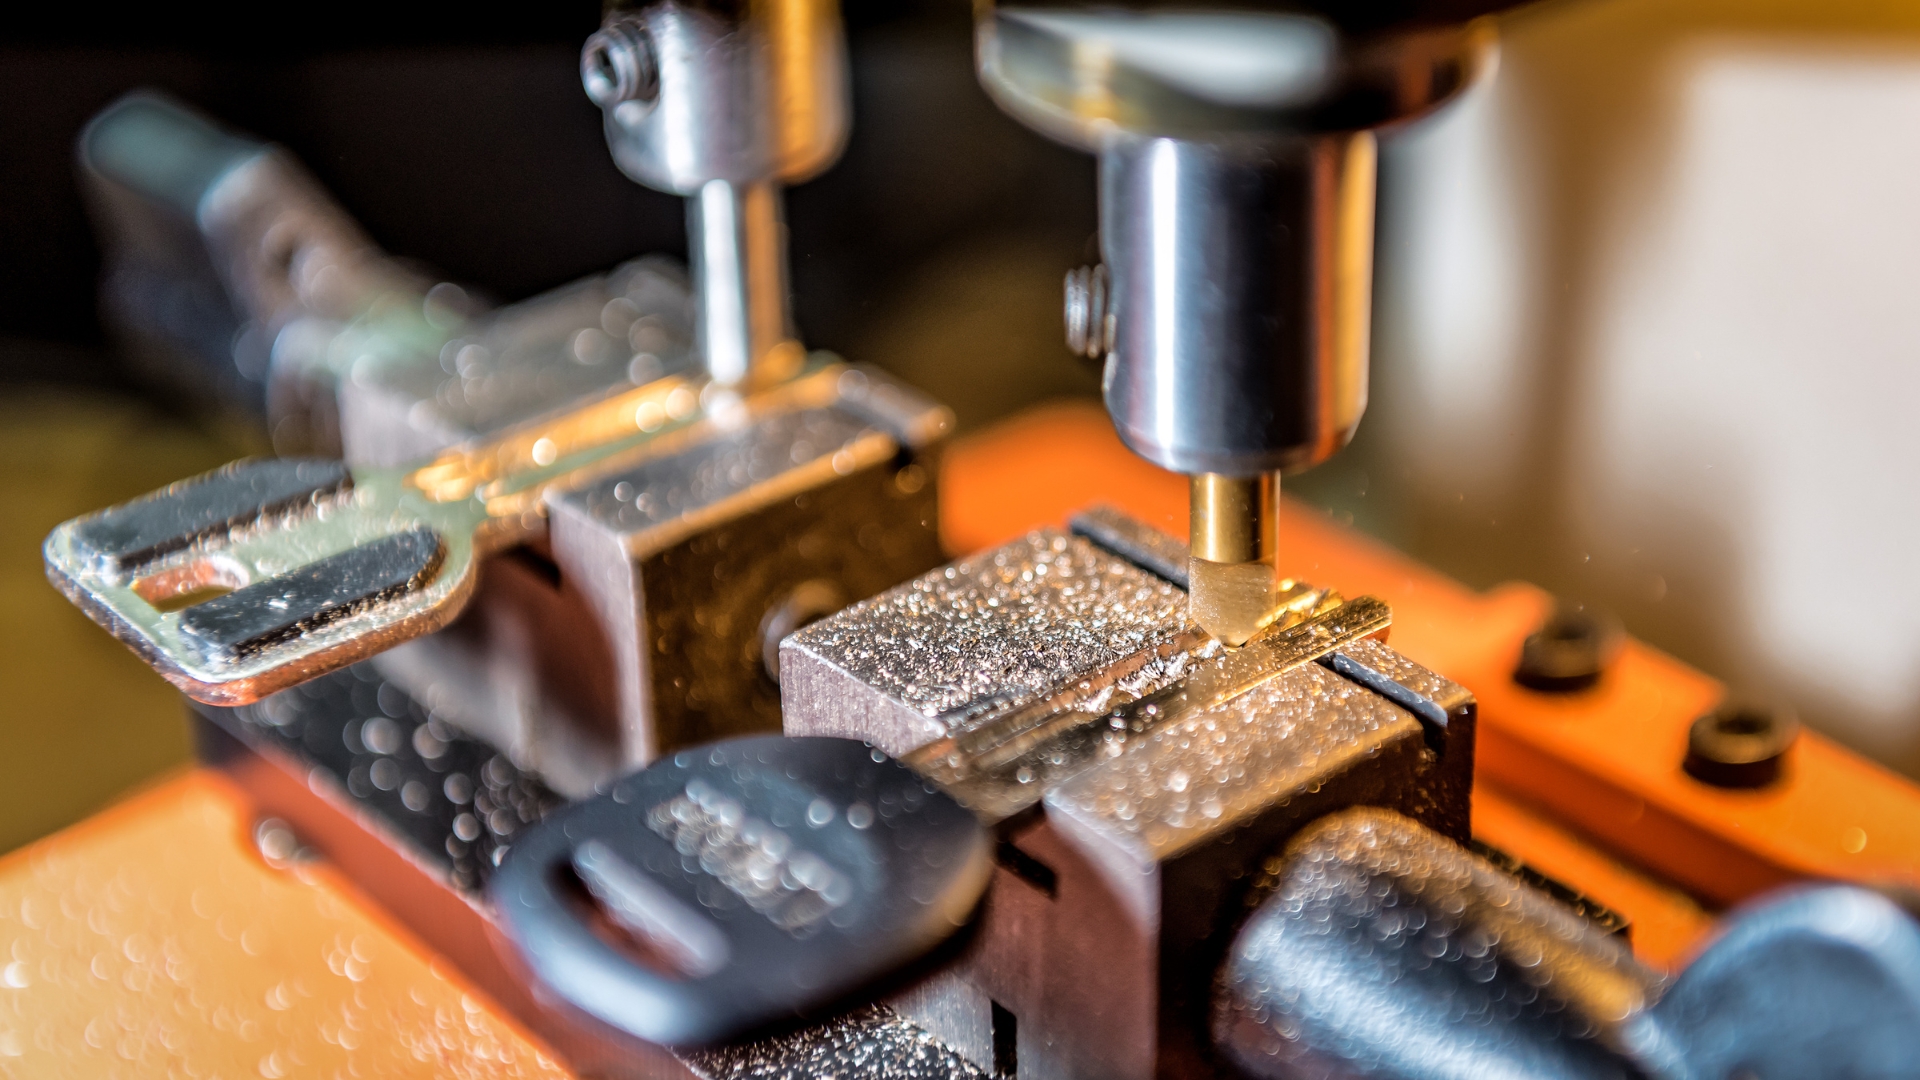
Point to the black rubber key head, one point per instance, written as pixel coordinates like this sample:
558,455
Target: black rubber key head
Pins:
740,884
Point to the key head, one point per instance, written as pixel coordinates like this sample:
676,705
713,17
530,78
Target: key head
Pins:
265,573
738,885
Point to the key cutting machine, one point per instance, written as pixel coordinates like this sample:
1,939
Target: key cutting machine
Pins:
1088,801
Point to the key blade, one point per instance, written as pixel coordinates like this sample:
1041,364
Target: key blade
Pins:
264,574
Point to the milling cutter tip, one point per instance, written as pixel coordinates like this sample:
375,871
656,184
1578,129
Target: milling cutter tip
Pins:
1232,589
1231,601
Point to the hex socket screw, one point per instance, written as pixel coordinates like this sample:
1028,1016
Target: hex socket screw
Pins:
1569,652
1090,319
617,64
1740,745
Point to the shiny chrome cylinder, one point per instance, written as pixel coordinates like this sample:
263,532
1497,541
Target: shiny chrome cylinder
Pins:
724,101
1239,275
701,90
736,237
1236,200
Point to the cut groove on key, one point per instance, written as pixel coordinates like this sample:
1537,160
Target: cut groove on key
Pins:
249,619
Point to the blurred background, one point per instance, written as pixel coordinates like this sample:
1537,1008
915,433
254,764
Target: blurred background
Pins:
1647,326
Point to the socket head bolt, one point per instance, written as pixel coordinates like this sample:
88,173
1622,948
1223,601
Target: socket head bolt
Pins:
617,65
1569,652
1740,745
1090,319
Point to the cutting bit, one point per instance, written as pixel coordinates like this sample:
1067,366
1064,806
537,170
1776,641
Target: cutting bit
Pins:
1231,305
267,573
1234,587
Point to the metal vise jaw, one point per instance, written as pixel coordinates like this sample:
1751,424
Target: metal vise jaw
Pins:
648,617
1141,777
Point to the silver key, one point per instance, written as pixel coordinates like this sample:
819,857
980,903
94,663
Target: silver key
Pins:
266,573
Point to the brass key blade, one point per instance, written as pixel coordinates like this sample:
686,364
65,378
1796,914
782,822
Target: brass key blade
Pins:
266,573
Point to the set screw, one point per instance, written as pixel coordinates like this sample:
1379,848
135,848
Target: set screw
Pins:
617,64
1569,652
1090,322
1740,745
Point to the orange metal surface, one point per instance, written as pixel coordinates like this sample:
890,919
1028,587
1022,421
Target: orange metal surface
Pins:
151,940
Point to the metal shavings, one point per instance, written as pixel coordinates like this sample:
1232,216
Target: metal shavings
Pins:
754,860
1192,777
661,491
871,1043
1000,629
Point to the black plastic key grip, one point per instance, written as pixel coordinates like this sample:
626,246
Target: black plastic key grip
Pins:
740,885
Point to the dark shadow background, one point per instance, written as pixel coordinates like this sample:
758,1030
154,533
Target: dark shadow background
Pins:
466,144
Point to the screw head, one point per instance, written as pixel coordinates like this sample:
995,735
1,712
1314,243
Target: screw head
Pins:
1090,321
1740,745
617,64
1569,652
